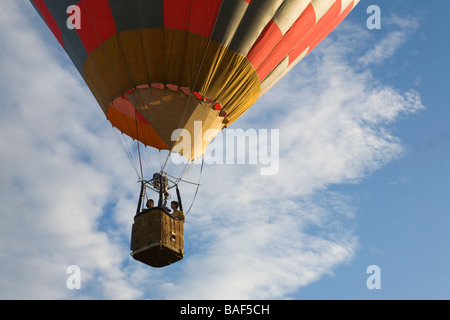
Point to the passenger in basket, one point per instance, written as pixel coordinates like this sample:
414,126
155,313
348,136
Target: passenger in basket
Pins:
150,203
177,214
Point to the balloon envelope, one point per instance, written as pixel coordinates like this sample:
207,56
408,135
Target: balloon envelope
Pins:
155,66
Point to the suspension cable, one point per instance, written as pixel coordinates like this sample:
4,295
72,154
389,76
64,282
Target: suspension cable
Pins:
126,149
198,186
137,140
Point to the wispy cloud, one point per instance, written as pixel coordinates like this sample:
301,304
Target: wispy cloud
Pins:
392,41
68,192
268,236
53,174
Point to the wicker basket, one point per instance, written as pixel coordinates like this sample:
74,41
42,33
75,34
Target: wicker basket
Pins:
157,239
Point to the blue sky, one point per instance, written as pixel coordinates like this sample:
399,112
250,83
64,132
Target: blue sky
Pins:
403,207
363,175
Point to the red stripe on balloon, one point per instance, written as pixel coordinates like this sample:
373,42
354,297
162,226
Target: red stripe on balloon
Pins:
317,32
268,39
97,23
299,29
48,18
196,16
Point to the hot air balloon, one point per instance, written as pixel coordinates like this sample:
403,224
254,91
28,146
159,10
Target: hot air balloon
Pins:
157,66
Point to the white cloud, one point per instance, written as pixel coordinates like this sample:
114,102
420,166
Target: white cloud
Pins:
393,41
248,236
334,128
54,174
261,252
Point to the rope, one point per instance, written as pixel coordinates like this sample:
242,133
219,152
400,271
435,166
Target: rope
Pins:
198,186
137,141
126,149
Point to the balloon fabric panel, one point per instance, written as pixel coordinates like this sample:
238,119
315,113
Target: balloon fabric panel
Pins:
156,66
